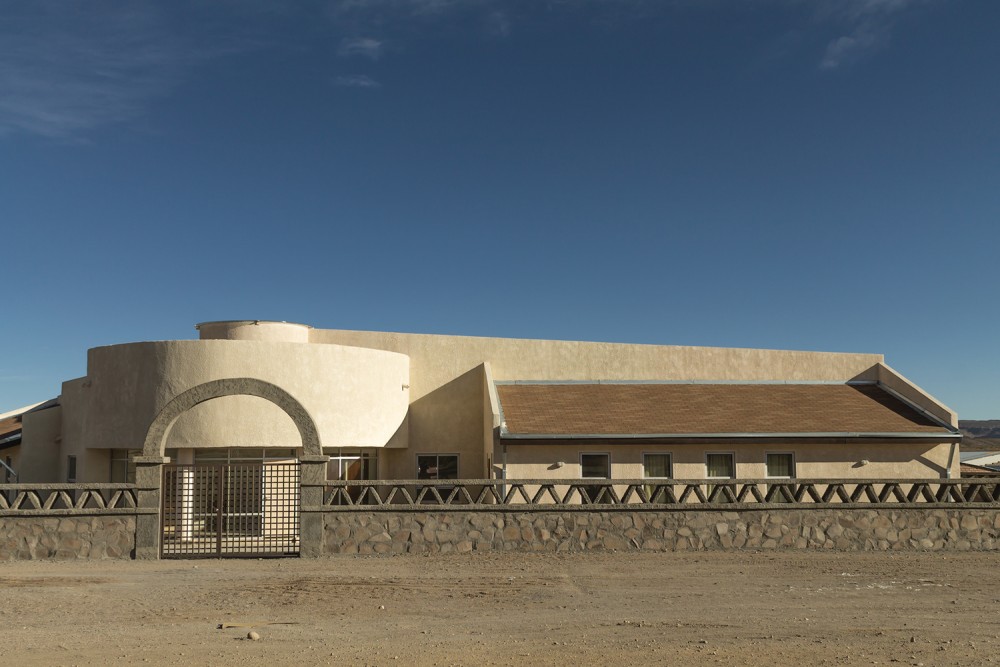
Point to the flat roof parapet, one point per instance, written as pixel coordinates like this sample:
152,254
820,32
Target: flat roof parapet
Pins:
261,330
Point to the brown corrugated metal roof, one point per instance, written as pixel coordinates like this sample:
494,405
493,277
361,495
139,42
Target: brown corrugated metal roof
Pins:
10,432
552,410
970,470
10,425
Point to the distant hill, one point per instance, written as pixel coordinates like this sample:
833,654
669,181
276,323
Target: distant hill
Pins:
981,435
980,428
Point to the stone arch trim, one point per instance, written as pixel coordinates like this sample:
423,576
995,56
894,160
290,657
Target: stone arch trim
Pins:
159,429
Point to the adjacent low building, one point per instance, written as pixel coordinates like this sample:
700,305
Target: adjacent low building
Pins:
402,406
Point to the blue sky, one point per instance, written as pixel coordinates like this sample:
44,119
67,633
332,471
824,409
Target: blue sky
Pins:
749,173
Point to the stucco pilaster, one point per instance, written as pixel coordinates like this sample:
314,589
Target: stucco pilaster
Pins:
313,481
148,479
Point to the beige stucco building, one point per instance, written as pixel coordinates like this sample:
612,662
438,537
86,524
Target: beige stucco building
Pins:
402,406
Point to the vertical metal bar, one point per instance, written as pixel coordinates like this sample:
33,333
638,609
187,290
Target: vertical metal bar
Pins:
257,510
163,509
218,515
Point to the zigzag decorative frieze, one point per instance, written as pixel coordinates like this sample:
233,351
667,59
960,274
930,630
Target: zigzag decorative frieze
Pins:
66,499
658,494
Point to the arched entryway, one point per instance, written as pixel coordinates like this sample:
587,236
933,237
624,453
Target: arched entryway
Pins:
159,429
248,510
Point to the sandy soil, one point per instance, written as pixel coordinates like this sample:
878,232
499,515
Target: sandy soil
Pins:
707,608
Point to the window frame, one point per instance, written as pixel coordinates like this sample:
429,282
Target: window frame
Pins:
670,464
225,455
651,489
607,457
343,457
71,470
118,461
732,456
438,455
767,472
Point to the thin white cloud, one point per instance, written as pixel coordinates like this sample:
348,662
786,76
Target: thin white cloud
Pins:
498,23
868,7
850,48
867,26
406,6
66,67
860,27
360,46
380,13
357,81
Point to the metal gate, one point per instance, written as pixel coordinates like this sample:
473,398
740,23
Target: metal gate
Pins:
230,510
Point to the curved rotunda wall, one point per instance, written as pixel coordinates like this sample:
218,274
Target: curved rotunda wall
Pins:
263,330
357,397
234,421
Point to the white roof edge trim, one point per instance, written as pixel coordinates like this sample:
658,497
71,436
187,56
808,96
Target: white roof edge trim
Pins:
907,402
41,405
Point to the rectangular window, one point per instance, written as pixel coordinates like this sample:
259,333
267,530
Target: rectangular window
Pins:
348,464
122,468
210,457
780,464
437,466
235,455
656,465
596,465
720,466
7,476
70,469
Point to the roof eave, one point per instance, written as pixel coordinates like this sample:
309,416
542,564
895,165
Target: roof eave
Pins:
947,436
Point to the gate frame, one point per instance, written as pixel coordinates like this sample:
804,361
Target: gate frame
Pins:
148,466
221,469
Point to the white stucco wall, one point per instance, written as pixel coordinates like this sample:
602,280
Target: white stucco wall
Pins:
357,397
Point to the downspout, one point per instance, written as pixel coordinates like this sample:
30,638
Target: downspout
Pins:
951,460
504,477
503,487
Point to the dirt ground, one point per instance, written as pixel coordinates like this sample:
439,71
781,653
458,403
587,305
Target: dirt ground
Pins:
792,608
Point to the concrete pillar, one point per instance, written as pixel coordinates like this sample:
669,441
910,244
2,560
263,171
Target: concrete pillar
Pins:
148,476
313,482
185,495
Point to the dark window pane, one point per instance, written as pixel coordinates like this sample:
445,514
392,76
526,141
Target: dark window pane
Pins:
780,465
595,465
426,467
448,467
437,466
656,465
720,465
119,472
241,454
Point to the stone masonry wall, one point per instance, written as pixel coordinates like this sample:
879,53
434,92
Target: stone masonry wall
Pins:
66,537
840,529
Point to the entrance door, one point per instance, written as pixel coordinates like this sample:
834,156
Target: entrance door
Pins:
230,510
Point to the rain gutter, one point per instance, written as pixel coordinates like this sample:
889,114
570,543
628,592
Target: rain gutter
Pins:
506,435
